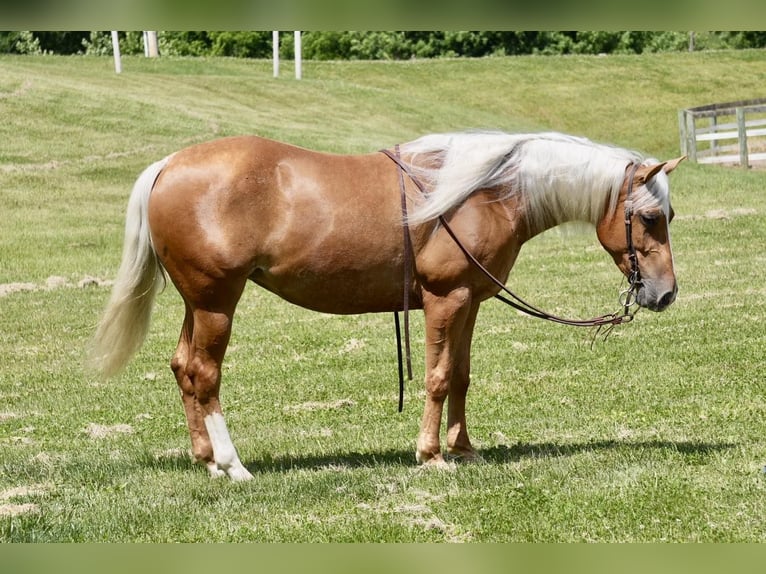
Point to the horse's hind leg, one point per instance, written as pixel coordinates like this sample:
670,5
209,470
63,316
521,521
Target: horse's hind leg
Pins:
210,337
202,448
210,305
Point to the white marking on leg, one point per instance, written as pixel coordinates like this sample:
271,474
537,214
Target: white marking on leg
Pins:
225,454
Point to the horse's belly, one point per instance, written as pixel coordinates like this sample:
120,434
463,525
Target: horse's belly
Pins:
341,291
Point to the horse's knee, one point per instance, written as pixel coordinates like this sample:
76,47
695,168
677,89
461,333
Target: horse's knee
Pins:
437,385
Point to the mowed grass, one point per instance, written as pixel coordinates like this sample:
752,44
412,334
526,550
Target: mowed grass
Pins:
655,434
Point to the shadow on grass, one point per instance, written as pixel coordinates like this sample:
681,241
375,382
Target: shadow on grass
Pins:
692,451
695,452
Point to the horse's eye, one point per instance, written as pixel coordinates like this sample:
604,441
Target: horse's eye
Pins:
649,219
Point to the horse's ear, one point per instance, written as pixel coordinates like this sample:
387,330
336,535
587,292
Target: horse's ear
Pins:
645,173
672,164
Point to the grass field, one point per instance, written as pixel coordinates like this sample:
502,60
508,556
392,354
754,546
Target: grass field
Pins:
656,434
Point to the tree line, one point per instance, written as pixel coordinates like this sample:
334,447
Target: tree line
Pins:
377,45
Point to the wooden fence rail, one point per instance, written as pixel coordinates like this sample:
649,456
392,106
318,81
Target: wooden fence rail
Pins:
706,130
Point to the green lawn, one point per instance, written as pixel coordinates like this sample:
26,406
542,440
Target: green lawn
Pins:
656,434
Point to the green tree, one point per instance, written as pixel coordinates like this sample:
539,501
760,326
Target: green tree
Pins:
240,44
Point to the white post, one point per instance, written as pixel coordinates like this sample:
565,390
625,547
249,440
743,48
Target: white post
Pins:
298,57
152,49
116,51
275,51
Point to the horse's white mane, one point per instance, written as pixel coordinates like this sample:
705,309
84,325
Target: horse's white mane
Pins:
561,177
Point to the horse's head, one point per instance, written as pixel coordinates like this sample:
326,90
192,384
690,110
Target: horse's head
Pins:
642,229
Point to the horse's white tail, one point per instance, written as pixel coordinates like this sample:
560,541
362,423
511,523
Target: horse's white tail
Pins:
125,321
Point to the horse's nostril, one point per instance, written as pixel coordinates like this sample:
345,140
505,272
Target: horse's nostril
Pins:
667,299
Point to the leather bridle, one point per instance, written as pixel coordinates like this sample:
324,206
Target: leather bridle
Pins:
627,297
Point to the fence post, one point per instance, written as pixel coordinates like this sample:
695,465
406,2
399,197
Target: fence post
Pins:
742,137
152,46
298,56
682,131
275,51
691,137
116,52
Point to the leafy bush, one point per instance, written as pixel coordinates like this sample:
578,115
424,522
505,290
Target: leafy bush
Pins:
26,43
240,44
383,45
100,43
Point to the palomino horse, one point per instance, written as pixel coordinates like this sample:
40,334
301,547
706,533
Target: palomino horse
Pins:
325,232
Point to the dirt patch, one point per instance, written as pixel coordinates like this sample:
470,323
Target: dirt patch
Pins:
16,509
55,282
97,431
728,214
19,491
89,281
352,345
10,288
417,513
20,91
722,213
317,406
8,507
52,283
315,433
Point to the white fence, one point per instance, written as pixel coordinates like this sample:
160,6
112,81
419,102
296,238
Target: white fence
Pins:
707,133
151,49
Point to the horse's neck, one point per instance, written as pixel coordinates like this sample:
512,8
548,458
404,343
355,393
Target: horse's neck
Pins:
550,203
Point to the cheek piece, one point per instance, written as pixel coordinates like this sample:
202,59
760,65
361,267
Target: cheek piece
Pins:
628,296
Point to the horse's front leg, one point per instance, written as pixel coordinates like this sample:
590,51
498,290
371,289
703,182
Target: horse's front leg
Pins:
447,321
458,443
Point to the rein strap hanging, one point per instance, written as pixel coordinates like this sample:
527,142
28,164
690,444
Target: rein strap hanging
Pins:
408,261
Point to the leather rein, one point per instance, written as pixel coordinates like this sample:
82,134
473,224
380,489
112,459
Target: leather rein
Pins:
627,297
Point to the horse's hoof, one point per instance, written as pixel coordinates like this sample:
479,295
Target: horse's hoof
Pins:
214,471
439,464
434,462
465,455
239,473
425,457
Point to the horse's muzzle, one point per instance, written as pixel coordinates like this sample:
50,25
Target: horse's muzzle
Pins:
655,299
